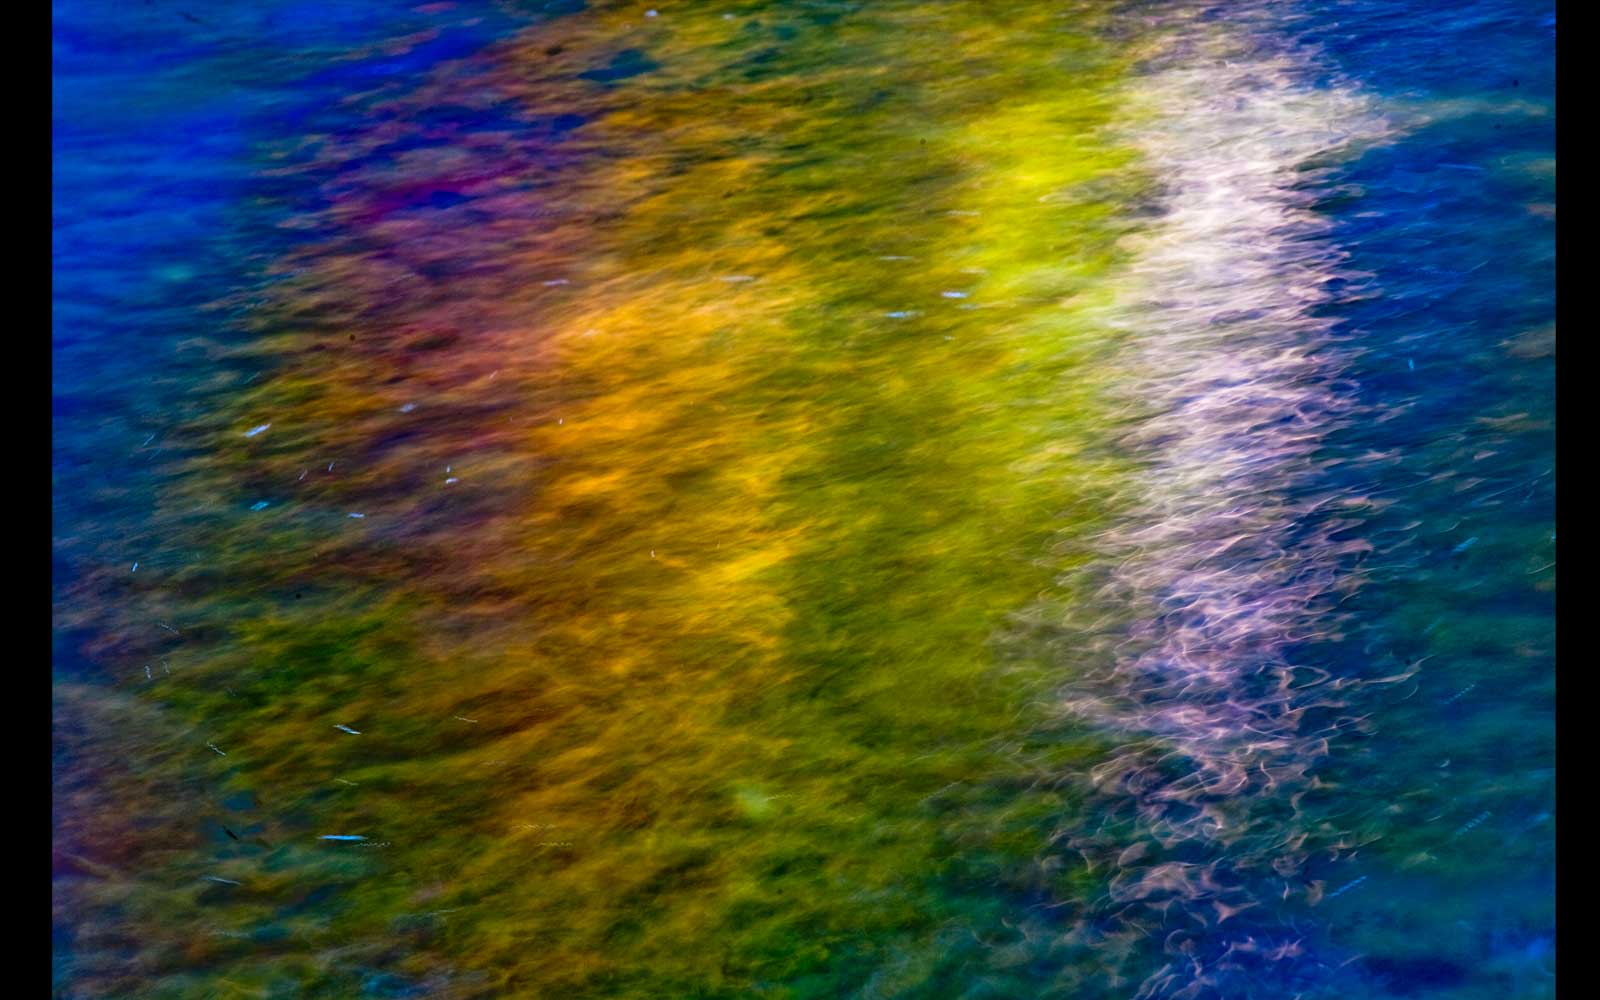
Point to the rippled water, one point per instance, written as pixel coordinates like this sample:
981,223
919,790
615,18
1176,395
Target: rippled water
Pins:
737,499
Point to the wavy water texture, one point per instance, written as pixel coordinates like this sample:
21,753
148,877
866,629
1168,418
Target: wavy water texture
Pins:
1230,574
645,440
802,500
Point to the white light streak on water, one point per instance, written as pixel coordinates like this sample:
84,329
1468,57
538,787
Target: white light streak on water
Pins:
1230,370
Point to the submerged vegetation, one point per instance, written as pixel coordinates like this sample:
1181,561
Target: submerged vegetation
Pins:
628,505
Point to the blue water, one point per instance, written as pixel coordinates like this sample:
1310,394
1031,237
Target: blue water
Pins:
161,213
1443,797
1454,344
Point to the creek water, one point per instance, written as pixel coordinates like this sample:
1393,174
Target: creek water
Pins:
808,499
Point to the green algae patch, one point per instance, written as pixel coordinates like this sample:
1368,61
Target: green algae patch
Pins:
670,591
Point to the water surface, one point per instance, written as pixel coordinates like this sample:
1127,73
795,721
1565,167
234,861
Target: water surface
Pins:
804,500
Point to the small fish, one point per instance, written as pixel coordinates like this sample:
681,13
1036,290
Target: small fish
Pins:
147,673
452,479
736,277
135,568
893,257
1411,364
341,836
224,881
252,432
260,505
1458,695
1464,546
147,440
549,284
357,515
330,466
353,732
169,628
954,295
219,753
229,832
302,474
1347,887
408,407
900,315
465,719
1474,821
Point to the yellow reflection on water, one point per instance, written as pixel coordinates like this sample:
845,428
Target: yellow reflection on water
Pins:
700,456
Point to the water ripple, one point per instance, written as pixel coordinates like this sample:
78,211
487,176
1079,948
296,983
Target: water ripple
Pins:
1234,564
